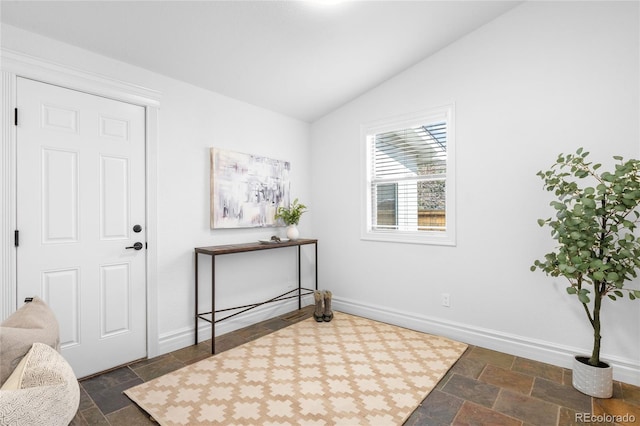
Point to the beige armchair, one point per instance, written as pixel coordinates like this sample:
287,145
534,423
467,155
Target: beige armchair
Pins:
38,385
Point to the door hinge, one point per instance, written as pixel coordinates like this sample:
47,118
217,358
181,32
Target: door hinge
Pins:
16,238
15,116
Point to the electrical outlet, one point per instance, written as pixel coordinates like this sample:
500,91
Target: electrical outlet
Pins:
446,300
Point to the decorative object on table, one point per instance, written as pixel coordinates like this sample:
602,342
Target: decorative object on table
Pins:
246,190
291,217
303,373
597,252
274,240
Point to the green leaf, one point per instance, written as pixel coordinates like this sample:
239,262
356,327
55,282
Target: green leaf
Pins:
612,277
583,298
571,290
589,203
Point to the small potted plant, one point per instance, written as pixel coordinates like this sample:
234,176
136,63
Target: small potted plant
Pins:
291,217
595,218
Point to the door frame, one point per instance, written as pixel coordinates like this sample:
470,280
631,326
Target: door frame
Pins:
16,64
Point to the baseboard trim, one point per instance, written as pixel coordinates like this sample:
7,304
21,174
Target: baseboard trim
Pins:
181,338
624,370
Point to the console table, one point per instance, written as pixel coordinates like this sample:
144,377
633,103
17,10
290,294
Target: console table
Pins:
214,251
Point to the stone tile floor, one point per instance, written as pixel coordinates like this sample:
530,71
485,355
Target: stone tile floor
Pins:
484,387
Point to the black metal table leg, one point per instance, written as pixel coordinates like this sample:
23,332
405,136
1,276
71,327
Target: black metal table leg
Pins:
213,304
299,281
196,311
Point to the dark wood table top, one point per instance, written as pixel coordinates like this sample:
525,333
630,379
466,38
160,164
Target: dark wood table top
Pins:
244,247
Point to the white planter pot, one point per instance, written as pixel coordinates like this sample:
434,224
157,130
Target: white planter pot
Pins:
590,380
292,232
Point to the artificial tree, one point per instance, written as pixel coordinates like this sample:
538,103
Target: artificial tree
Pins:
596,216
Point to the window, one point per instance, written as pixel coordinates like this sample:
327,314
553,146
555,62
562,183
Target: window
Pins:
409,191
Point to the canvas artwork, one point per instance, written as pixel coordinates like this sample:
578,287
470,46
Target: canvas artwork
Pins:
246,189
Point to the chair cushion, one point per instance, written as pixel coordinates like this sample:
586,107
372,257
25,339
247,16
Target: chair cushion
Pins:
14,380
48,392
33,322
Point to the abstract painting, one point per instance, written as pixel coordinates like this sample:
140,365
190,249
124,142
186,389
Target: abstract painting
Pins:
246,189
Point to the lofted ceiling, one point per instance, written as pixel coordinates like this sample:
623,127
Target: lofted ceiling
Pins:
299,58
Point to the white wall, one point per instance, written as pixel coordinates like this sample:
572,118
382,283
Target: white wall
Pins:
191,120
542,79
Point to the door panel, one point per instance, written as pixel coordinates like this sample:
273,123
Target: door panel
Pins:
114,198
61,290
115,305
81,189
60,202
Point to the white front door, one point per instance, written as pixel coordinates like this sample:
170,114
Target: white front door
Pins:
80,210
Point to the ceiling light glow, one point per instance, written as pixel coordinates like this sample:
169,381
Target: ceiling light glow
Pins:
326,2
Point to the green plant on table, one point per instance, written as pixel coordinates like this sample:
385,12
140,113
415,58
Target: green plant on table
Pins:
291,215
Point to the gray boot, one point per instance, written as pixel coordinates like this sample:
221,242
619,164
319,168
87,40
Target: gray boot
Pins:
328,313
319,310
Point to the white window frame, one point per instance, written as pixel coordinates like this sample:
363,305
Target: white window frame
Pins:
446,237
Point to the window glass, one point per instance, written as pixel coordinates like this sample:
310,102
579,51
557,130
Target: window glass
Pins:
409,171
